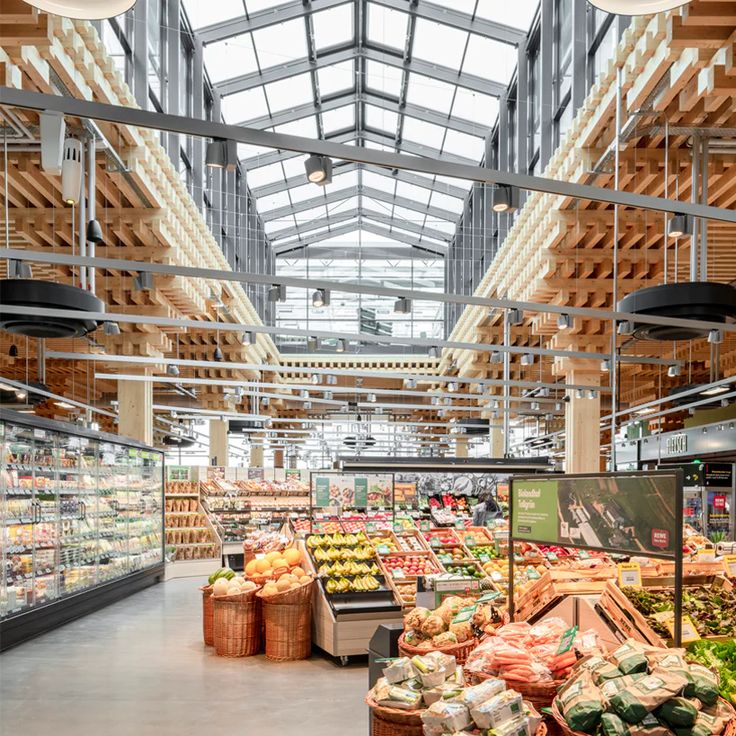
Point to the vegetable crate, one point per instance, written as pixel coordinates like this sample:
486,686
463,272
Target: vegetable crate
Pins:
555,585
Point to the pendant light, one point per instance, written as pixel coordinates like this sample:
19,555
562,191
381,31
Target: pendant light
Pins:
71,171
637,7
83,9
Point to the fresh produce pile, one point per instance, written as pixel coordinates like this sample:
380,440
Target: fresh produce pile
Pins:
456,621
338,539
443,537
411,565
485,550
274,565
264,541
346,562
357,584
409,543
720,656
711,609
451,553
434,685
349,567
522,653
465,569
225,582
639,690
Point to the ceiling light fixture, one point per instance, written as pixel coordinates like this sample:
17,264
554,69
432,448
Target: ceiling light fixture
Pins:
218,355
527,359
13,351
371,398
83,9
247,338
172,370
411,383
606,365
319,170
515,317
715,337
679,225
111,328
94,232
331,380
320,298
452,387
625,328
277,293
496,357
222,154
304,394
637,7
341,345
19,270
327,395
674,370
265,401
71,171
564,321
434,352
402,305
312,344
505,199
143,281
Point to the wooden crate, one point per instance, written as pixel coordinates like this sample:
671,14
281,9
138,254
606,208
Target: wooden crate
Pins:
413,534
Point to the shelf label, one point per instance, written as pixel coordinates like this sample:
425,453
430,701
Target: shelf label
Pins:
629,575
424,525
707,554
370,527
567,640
398,527
383,549
689,632
459,524
729,564
470,541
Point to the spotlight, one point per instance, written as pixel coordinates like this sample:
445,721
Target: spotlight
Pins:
402,305
591,394
411,383
625,328
341,346
496,357
564,321
53,132
307,405
172,370
94,232
321,298
715,337
527,359
679,225
265,401
327,395
222,154
13,352
331,380
494,414
724,403
304,394
312,344
19,270
435,400
277,293
315,378
579,393
452,387
247,338
606,365
505,199
371,398
111,328
143,281
217,355
71,171
20,394
319,170
515,317
674,370
434,352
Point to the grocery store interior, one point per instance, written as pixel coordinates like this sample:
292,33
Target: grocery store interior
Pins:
368,367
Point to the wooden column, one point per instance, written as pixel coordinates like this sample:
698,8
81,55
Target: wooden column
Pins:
219,447
256,457
582,423
461,448
278,458
495,436
136,410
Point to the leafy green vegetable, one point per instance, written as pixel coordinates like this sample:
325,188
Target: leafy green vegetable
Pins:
720,656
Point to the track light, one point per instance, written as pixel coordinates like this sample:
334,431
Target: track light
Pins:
304,394
13,351
527,359
321,298
564,321
494,414
591,394
679,225
312,344
534,406
217,355
411,383
247,338
625,328
315,378
606,365
515,317
327,395
53,132
402,305
94,232
265,401
331,380
222,154
307,405
172,370
20,394
111,328
435,400
674,370
505,199
319,170
371,398
579,393
143,281
19,270
715,337
496,357
452,387
434,352
341,346
71,171
277,293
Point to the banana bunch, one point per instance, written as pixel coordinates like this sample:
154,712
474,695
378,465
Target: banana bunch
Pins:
360,584
336,540
333,554
349,567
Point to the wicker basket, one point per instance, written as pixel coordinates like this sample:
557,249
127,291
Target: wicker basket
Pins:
237,625
288,623
729,730
459,651
540,695
208,615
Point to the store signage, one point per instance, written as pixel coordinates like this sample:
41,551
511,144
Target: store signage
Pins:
322,492
707,554
361,492
719,502
676,444
718,475
689,632
630,514
629,575
729,564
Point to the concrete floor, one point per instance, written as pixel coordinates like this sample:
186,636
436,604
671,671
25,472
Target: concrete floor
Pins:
139,668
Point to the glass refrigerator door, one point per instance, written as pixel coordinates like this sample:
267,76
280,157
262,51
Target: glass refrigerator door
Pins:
719,504
112,502
693,509
78,514
151,505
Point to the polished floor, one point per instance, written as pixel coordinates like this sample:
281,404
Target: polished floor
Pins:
139,668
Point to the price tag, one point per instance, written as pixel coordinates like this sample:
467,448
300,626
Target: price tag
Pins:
370,527
532,574
445,559
496,576
383,549
459,524
629,575
435,542
398,527
424,525
488,597
399,574
708,554
689,632
551,556
567,640
484,558
470,541
729,564
583,554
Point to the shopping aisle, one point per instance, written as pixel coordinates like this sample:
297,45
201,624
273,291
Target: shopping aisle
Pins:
139,667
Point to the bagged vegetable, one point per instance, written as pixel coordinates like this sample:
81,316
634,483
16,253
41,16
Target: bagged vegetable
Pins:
392,696
517,727
448,715
642,697
477,694
581,703
547,631
672,660
677,713
433,625
649,726
630,657
710,720
703,685
612,725
610,687
399,670
600,670
497,710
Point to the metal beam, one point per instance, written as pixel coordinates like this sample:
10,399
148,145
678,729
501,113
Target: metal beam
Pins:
456,19
261,19
273,157
290,232
370,253
305,240
430,249
415,149
435,212
407,225
325,198
142,118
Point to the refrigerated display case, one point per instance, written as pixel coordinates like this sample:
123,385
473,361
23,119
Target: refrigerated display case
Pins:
81,522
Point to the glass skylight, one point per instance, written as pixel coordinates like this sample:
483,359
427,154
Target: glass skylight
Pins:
430,93
382,78
202,14
336,78
289,92
333,27
243,106
221,59
380,119
387,27
281,43
338,119
439,43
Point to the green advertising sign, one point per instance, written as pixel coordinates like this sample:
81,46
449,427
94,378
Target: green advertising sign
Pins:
534,509
321,492
361,492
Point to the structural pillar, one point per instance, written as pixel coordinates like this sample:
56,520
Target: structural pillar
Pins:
278,458
582,421
495,437
461,448
256,457
135,406
219,443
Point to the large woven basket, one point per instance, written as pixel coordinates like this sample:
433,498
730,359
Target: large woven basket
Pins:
539,694
459,651
237,625
394,721
288,623
729,730
208,615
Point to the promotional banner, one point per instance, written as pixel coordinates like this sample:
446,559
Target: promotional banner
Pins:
634,514
347,490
